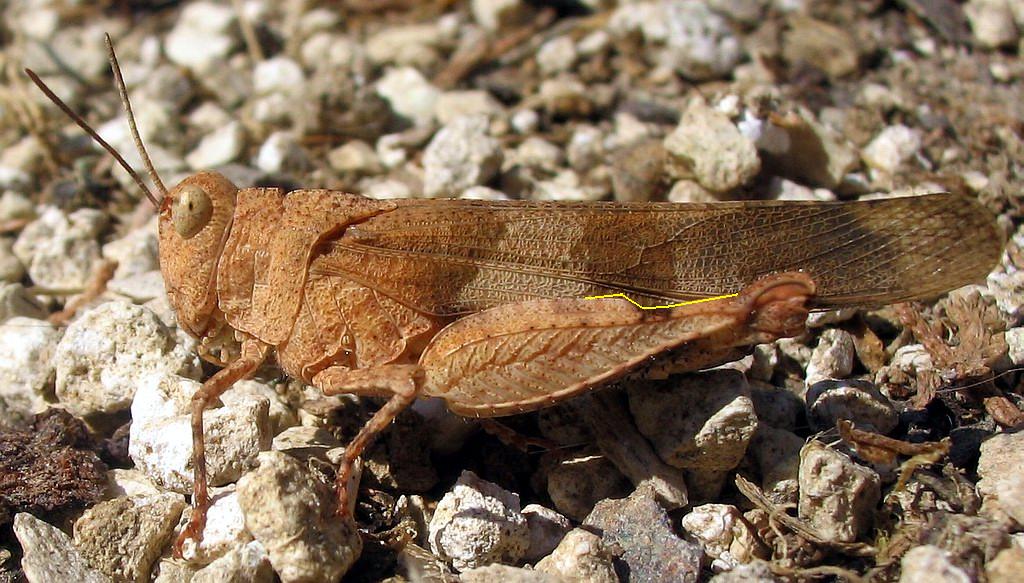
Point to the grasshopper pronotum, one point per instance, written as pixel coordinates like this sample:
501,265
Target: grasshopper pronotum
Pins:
482,303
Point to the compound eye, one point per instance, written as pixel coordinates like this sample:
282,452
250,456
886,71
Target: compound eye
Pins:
191,211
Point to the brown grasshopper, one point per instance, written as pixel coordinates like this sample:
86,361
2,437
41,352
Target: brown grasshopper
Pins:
482,303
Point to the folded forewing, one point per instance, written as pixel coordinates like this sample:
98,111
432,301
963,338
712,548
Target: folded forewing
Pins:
456,256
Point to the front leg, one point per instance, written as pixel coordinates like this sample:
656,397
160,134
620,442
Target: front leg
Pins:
252,356
399,381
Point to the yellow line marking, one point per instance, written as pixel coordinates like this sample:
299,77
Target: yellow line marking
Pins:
630,300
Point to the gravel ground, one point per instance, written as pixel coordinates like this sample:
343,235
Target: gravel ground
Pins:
757,474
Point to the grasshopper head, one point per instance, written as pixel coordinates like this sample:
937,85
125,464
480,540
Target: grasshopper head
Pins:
195,218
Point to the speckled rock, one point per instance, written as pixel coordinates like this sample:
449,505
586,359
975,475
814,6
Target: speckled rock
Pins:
724,534
1000,487
26,364
1015,345
853,400
578,482
161,435
755,572
505,573
224,531
50,555
581,556
123,537
641,529
460,155
219,147
60,250
547,528
708,147
685,36
409,94
992,23
891,147
930,564
777,454
837,496
203,36
832,357
248,563
106,352
282,415
478,523
703,420
291,513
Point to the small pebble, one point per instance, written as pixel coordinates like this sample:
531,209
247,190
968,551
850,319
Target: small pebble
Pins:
291,513
478,523
724,534
219,147
278,75
202,37
60,250
992,23
224,530
49,554
832,358
1000,487
891,148
281,152
858,401
556,55
930,564
580,556
547,528
460,155
838,497
708,146
497,14
248,563
409,93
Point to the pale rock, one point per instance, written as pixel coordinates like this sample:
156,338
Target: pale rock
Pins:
930,564
562,190
281,152
822,319
747,12
219,147
278,75
496,14
49,554
409,93
777,455
799,147
525,121
26,364
832,358
275,109
141,287
688,36
708,146
821,44
60,250
547,528
478,523
15,205
413,45
387,188
556,55
202,37
1006,567
105,353
716,426
224,530
355,157
160,443
135,253
536,152
304,442
170,570
992,23
290,512
585,148
16,302
782,189
640,528
453,104
124,537
483,193
578,482
281,413
580,556
689,191
328,51
14,179
131,483
248,563
858,401
891,147
1015,345
1001,491
725,535
460,155
506,574
837,496
565,96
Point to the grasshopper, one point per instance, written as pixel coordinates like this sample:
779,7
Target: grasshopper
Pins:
482,303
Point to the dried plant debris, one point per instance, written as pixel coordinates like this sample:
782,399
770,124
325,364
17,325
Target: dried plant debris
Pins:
52,467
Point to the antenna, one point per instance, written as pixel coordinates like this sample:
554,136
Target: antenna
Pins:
96,137
123,92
